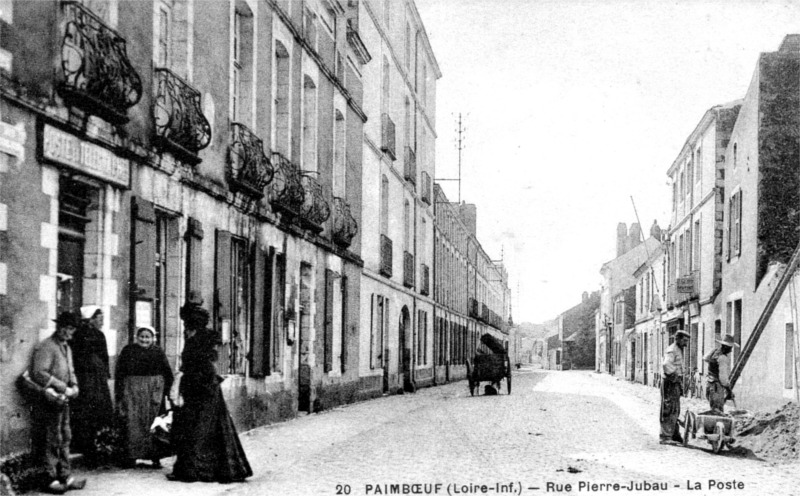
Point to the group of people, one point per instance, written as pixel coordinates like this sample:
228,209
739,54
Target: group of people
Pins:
75,409
718,385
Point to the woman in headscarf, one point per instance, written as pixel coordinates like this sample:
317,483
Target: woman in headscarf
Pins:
91,410
207,446
142,378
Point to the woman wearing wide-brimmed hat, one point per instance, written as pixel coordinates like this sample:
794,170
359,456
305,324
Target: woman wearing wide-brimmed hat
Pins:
718,389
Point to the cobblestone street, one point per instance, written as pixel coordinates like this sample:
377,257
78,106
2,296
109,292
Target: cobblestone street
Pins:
556,429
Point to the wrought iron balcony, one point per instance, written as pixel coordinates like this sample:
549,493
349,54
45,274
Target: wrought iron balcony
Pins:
410,166
286,191
315,209
387,136
473,308
386,256
484,313
345,226
181,126
249,169
424,284
408,269
426,188
97,75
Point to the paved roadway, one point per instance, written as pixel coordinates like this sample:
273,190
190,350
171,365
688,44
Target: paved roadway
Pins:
558,433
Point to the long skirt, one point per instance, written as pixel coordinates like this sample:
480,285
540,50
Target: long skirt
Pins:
206,442
140,404
92,411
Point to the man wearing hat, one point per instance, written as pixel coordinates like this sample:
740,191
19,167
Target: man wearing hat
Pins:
718,388
672,388
52,368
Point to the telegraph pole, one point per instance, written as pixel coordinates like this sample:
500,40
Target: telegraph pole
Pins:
460,131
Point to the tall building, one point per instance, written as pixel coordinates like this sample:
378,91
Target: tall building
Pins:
694,247
397,229
153,148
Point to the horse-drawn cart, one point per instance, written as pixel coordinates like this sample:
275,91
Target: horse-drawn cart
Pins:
489,367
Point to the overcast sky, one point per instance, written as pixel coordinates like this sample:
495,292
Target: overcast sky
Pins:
571,108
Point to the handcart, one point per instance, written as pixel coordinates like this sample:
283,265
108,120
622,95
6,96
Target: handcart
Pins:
489,367
713,426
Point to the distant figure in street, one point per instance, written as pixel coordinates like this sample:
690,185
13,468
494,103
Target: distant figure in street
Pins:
719,373
206,443
672,388
91,411
52,368
142,378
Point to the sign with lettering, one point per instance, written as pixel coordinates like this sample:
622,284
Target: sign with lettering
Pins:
685,284
86,157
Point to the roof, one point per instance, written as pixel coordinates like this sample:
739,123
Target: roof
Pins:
709,117
619,273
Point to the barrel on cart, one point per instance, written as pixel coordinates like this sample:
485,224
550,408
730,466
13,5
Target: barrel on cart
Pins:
489,367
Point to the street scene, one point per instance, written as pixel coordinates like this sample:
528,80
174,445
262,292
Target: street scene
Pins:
556,429
399,247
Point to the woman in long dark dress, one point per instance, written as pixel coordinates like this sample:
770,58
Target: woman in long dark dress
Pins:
142,378
207,446
92,410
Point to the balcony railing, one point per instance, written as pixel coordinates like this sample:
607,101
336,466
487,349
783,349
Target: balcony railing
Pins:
286,191
387,136
410,166
181,126
473,308
345,226
386,256
426,188
425,284
408,269
315,209
97,75
249,169
484,313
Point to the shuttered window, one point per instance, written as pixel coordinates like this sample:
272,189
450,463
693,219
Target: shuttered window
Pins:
328,322
194,256
232,300
144,250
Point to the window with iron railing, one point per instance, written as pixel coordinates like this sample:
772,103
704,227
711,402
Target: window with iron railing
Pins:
180,125
249,169
408,269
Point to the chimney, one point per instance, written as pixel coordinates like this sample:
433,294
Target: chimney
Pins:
655,231
635,236
790,44
469,216
585,297
622,236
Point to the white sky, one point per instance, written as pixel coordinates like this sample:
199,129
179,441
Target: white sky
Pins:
571,108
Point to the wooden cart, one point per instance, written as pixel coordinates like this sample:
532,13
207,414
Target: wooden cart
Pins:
716,428
491,368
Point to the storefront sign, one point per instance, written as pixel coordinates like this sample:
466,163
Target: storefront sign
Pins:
92,159
685,284
12,140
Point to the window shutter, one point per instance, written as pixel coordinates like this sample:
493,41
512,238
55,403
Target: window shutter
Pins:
222,282
144,249
739,223
259,345
372,323
278,306
344,324
194,256
328,324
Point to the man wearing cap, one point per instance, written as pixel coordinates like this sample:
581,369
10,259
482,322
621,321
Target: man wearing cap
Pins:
52,368
718,388
672,388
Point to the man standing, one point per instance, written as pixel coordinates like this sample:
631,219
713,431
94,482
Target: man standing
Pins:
719,373
672,388
52,368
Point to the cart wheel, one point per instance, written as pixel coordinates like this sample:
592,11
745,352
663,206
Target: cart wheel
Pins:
688,427
508,383
717,444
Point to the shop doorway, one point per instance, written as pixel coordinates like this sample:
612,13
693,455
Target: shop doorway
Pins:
75,200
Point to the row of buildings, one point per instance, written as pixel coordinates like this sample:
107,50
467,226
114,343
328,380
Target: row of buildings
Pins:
726,264
276,156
